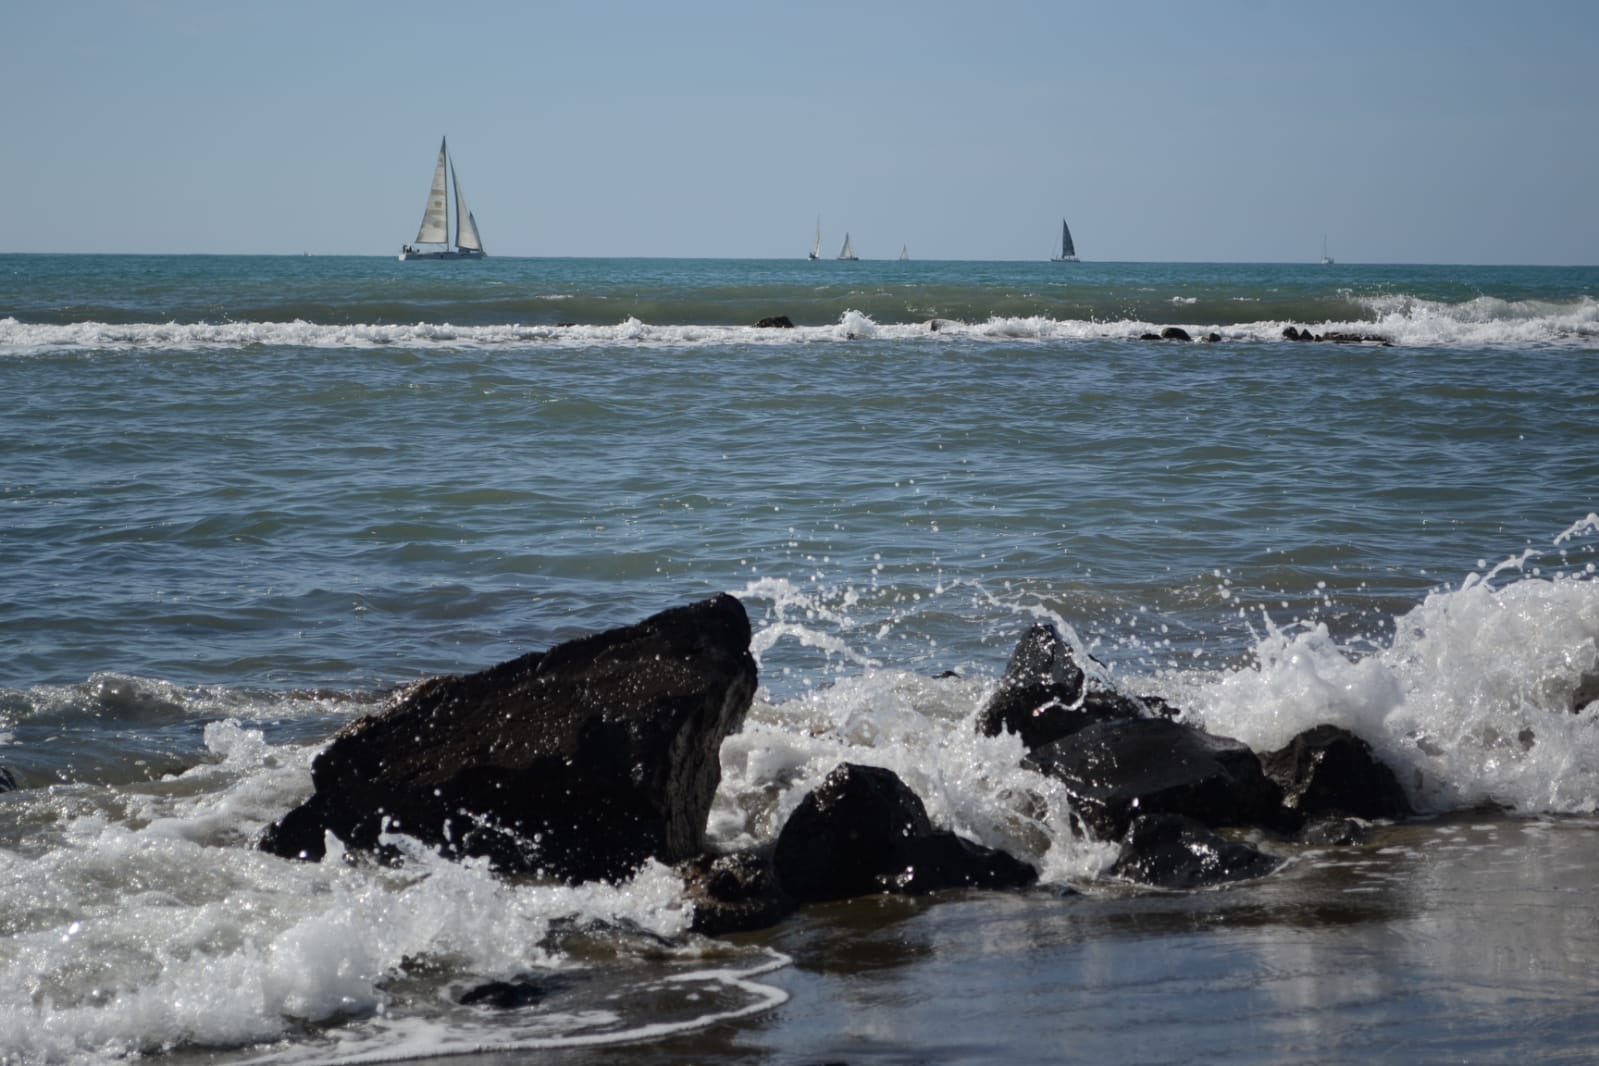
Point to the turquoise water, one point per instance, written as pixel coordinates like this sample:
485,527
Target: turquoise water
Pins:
241,498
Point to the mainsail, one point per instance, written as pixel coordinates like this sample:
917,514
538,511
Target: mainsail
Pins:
435,221
1068,251
848,251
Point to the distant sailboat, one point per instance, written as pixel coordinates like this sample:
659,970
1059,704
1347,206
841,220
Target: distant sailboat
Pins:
1326,260
1068,251
904,252
848,251
435,228
816,250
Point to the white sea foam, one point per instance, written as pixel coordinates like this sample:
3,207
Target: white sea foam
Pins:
1404,320
1483,696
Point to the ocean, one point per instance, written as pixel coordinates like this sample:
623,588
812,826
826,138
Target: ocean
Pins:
242,499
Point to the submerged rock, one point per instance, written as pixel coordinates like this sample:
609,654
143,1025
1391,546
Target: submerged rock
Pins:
1116,771
1328,772
1178,852
775,322
578,763
863,832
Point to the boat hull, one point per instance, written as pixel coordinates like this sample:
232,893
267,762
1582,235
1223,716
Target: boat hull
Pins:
461,254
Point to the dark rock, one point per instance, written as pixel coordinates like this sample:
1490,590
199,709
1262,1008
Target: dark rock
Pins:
1044,695
735,892
1212,338
1118,770
1175,333
775,322
1587,691
1149,336
863,832
579,763
506,995
1173,851
1329,772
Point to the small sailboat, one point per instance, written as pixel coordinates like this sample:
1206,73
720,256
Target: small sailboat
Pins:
435,229
848,251
1326,260
816,249
1068,250
904,252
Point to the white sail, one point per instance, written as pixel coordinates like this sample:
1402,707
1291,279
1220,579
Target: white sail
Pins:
466,235
435,222
816,251
847,252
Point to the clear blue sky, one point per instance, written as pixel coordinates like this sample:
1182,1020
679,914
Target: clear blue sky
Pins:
1449,131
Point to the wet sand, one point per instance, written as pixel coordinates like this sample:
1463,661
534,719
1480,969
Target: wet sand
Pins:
1468,939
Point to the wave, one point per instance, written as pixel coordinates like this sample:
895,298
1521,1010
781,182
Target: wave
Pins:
1406,321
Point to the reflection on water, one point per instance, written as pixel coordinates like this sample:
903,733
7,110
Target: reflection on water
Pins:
1469,939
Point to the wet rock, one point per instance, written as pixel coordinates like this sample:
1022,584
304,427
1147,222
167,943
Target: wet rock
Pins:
1177,852
1587,692
514,994
1212,338
1044,695
1328,772
577,763
775,322
863,832
1175,333
734,892
1116,771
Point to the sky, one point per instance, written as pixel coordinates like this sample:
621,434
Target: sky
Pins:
1408,131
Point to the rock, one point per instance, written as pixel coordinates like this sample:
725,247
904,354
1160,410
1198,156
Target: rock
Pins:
1118,770
8,783
1173,851
1587,691
735,892
1175,333
1328,772
863,832
1044,695
775,322
1212,338
577,763
515,994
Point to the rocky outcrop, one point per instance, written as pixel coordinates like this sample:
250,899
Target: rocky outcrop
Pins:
1328,772
1115,771
775,322
863,832
1044,695
577,763
734,892
1294,333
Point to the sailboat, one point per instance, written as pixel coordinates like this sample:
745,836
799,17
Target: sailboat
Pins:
816,250
435,228
847,252
1326,260
1068,251
904,252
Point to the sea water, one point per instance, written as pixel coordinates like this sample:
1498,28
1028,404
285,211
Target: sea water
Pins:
242,499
